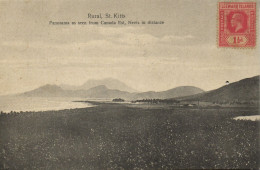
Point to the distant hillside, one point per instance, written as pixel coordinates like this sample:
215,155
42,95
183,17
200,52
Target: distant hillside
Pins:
95,92
46,91
243,90
172,93
110,83
102,91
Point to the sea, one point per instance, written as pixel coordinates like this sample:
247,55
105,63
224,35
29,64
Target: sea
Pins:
252,118
17,104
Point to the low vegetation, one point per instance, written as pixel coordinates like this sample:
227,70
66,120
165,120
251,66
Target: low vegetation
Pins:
113,136
157,101
118,100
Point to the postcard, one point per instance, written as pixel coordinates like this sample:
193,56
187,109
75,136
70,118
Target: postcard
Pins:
147,84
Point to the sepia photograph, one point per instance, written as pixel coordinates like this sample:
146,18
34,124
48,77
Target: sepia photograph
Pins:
129,85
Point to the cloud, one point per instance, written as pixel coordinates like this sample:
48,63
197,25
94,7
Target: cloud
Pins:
137,39
176,38
118,31
104,41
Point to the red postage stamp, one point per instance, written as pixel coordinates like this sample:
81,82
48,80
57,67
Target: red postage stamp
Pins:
237,24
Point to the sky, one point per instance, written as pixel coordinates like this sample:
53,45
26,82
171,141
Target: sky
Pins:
182,51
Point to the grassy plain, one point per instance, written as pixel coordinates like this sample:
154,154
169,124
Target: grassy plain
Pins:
115,136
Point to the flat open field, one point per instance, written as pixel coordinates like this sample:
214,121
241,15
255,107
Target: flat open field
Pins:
114,136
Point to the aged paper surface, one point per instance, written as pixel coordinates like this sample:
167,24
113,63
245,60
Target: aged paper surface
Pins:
129,84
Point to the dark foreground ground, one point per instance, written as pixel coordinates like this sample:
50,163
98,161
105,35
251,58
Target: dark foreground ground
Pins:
114,136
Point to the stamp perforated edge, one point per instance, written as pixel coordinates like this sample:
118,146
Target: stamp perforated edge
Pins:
217,25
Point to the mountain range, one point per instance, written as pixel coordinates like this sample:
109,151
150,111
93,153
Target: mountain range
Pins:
243,90
108,88
108,82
